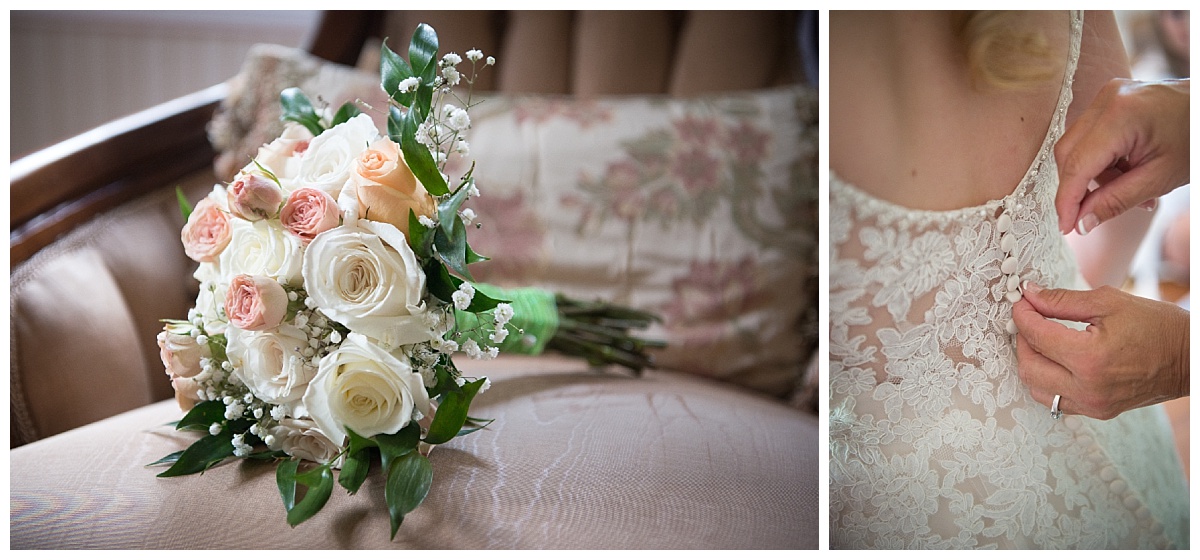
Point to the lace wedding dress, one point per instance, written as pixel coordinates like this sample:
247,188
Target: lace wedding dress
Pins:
934,441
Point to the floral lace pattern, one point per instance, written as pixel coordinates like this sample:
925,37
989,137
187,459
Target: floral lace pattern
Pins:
934,442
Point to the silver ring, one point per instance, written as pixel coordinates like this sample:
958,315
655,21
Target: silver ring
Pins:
1055,412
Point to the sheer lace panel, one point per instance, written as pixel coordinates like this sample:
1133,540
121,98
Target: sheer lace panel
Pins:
934,441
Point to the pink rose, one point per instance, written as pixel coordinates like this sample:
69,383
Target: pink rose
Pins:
308,212
387,188
180,354
207,232
253,197
255,303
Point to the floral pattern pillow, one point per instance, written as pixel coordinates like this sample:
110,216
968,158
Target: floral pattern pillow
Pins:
701,210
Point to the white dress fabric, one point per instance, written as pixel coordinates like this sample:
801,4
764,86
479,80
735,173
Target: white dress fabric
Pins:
934,441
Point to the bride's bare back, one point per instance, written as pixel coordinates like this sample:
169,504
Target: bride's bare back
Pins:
909,126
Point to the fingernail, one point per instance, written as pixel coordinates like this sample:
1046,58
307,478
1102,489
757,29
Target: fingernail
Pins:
1149,205
1030,288
1086,224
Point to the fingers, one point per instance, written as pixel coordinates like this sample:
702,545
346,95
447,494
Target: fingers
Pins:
1043,376
1069,305
1080,159
1135,188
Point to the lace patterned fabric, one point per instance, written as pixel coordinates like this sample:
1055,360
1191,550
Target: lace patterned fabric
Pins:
934,442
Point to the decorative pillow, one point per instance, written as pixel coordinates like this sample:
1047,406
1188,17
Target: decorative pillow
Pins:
702,210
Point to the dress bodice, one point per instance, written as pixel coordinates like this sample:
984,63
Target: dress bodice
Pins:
934,442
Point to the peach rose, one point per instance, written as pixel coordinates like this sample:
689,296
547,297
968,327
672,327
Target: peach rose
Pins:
253,197
309,211
255,303
180,354
387,188
186,391
207,232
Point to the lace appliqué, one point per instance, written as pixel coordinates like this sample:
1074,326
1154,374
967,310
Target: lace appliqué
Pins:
934,443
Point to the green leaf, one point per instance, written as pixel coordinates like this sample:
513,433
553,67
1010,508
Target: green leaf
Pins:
318,484
206,452
297,108
167,460
422,52
420,238
354,470
266,455
472,428
452,249
392,71
473,257
285,479
398,444
483,302
439,282
202,416
444,381
184,207
402,128
344,113
408,482
357,462
448,209
452,413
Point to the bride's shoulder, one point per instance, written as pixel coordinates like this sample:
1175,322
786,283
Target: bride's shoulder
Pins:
1102,57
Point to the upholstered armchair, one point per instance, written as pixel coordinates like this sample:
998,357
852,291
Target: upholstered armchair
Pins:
665,160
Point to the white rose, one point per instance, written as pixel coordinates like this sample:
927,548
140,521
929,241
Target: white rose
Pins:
366,277
282,155
211,299
330,157
262,248
270,363
363,387
300,437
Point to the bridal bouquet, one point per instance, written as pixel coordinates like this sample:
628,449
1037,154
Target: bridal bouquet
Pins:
335,292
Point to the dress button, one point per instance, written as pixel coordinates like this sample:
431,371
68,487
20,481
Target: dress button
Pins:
1004,223
1014,282
1008,242
1009,265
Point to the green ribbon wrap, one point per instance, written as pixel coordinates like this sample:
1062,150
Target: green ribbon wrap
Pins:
534,312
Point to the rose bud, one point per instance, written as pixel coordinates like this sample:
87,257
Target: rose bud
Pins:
252,197
308,212
255,303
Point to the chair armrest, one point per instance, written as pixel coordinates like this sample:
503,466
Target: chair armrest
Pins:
56,189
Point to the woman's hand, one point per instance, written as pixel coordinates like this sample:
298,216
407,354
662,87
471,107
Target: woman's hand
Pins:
1133,141
1134,352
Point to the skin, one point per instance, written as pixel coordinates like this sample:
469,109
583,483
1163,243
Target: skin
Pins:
1114,365
1132,142
1130,146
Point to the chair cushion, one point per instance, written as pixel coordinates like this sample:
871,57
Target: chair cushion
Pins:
576,458
84,312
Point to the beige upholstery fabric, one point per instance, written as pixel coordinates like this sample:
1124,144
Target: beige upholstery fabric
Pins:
84,314
575,459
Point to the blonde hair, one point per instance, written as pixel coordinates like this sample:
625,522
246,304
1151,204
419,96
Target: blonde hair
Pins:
1002,55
